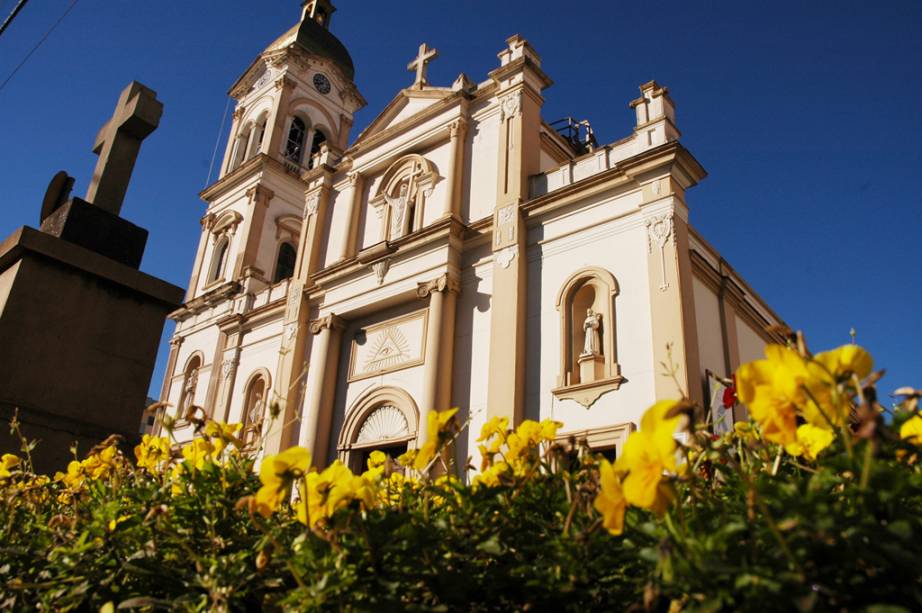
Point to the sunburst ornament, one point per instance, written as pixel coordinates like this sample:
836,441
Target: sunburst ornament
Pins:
384,424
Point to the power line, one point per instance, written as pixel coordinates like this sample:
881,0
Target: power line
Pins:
12,15
39,43
217,142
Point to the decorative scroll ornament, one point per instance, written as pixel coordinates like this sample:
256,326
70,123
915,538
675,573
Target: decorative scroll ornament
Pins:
384,424
380,269
506,256
228,367
439,284
313,203
659,230
510,105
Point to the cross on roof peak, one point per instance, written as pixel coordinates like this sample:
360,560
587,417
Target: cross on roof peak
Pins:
421,64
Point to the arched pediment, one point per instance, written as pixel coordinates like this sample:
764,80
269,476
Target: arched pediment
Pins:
381,414
226,222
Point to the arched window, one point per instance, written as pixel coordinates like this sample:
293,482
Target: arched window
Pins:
219,259
316,143
254,408
189,384
259,131
588,360
243,144
294,146
402,195
383,419
285,262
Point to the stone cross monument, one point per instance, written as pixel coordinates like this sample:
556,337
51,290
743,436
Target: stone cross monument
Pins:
80,324
137,114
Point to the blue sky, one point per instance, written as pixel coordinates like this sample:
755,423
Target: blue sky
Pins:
805,114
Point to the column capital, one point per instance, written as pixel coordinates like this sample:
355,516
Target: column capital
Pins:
259,194
442,283
457,128
284,82
329,322
238,112
354,177
176,341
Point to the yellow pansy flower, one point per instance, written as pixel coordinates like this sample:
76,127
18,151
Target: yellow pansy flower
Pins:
199,452
152,451
772,389
277,473
648,454
911,430
846,360
811,440
494,426
7,463
491,477
330,490
436,424
610,502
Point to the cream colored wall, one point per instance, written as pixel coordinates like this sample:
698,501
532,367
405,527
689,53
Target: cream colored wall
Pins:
471,369
478,194
751,345
260,350
347,392
710,334
609,233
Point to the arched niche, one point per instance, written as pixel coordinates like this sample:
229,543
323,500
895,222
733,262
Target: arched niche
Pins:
255,402
383,418
586,305
190,380
402,194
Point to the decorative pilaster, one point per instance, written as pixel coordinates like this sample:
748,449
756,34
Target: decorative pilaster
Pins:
206,221
316,204
321,386
675,339
230,360
258,198
284,87
290,369
436,392
232,139
519,80
350,240
456,132
169,374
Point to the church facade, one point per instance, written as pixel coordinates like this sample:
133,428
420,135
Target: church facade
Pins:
461,251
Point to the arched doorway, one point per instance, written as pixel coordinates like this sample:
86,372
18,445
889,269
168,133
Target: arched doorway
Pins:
384,419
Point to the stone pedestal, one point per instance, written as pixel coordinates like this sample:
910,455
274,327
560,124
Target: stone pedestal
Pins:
591,367
79,333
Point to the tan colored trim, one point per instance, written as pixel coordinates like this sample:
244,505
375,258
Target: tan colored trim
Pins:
366,404
321,386
251,233
601,438
422,314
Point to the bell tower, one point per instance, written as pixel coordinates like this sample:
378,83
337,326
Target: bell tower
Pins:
291,122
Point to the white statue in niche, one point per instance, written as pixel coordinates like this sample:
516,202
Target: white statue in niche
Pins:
398,210
592,345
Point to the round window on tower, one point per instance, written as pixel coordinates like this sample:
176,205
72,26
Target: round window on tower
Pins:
322,83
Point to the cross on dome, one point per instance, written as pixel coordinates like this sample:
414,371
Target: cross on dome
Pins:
421,63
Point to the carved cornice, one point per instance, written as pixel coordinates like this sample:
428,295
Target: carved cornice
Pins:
329,322
207,300
443,283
